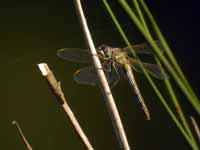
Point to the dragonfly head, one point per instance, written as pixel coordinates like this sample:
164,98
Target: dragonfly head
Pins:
105,50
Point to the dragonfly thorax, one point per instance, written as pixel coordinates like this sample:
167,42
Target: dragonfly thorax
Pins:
121,58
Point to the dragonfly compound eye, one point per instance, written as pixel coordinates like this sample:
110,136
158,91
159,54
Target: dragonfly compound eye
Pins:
102,47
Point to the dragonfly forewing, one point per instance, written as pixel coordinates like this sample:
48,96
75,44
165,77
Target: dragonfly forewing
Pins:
74,55
143,48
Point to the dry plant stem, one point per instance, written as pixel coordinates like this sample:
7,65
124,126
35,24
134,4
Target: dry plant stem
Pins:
55,86
28,146
196,127
111,106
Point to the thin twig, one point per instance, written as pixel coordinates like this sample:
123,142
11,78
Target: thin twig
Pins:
56,88
196,127
28,146
111,106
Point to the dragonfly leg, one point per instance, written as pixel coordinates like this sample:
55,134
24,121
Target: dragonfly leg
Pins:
115,69
108,66
115,73
113,85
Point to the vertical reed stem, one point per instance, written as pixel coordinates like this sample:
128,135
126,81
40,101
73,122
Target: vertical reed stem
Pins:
109,100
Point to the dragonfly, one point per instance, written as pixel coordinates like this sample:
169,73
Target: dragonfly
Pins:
117,64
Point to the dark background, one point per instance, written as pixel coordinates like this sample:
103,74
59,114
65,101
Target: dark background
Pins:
32,31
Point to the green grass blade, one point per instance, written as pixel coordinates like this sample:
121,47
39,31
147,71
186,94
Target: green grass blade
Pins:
167,48
166,80
149,79
176,103
194,101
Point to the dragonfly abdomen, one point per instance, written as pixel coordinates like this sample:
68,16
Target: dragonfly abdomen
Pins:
131,78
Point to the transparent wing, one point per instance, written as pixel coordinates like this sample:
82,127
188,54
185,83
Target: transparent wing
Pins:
74,55
152,69
88,76
143,48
